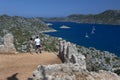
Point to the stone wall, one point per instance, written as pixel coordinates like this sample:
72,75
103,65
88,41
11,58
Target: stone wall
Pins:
8,46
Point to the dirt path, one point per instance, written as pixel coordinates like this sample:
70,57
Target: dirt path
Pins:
21,66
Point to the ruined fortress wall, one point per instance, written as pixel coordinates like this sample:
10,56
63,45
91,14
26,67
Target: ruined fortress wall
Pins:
8,46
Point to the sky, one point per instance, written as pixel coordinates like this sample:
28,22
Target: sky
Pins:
55,8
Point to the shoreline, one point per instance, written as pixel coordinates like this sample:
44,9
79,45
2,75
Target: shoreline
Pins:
48,31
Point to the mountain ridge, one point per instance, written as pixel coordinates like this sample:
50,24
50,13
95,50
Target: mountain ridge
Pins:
106,17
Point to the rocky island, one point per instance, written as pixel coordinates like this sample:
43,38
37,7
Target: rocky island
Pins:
64,27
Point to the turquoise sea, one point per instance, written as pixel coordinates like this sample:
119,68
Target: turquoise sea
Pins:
99,36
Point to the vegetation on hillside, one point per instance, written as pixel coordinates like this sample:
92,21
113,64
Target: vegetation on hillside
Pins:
106,17
22,29
99,60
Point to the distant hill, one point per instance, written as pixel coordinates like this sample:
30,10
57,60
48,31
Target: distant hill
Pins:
31,24
106,17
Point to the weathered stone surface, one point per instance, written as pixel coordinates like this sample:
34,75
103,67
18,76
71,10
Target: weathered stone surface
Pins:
8,46
99,60
73,67
2,48
68,72
68,53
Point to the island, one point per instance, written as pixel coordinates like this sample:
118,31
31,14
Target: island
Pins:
64,27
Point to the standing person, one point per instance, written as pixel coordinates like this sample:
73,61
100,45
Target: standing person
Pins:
31,45
37,43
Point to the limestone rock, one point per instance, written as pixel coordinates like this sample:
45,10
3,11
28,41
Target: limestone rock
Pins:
8,46
68,53
67,72
72,68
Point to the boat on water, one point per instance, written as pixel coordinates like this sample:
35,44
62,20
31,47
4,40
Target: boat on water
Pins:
93,30
86,35
49,24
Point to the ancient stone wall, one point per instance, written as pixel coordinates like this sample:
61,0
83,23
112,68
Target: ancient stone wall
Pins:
8,46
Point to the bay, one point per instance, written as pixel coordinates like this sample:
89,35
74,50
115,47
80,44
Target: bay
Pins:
99,36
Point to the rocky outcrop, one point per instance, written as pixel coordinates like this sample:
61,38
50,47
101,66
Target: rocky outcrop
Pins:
73,67
72,62
8,46
116,70
70,72
68,53
99,60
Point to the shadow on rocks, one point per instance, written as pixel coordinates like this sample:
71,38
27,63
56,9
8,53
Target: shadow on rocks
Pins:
13,77
30,79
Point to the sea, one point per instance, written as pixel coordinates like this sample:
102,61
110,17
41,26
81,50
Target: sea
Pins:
101,37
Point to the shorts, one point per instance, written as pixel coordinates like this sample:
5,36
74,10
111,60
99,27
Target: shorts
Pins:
37,46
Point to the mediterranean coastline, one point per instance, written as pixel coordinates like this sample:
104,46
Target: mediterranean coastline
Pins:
96,32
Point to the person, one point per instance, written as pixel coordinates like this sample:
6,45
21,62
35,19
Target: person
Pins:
31,45
37,43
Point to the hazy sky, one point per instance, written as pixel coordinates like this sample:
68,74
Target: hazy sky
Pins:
55,8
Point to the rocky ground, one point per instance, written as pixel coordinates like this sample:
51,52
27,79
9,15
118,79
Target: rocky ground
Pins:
21,66
70,71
